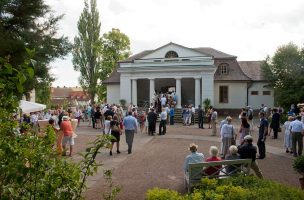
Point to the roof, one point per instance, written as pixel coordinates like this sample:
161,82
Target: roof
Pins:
204,50
235,73
252,69
113,78
63,92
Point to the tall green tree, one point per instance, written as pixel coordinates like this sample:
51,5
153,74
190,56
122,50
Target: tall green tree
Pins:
115,47
284,71
86,52
31,24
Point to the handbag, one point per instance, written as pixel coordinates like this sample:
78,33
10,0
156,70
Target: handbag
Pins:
115,128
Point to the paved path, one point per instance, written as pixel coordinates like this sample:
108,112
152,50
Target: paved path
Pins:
157,161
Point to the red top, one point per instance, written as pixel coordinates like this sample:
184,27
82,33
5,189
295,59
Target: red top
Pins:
66,127
212,170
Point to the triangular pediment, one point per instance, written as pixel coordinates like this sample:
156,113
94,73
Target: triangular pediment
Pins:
172,48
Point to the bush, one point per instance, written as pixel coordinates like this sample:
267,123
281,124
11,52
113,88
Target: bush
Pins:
232,188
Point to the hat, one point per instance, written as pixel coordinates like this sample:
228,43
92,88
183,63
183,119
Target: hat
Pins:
248,138
193,147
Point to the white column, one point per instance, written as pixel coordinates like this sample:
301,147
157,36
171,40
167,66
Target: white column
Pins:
208,87
178,91
152,90
134,92
197,92
125,89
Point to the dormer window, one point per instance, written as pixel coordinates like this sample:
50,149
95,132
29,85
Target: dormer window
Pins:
223,68
171,54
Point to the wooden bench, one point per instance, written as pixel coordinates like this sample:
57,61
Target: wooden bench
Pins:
196,170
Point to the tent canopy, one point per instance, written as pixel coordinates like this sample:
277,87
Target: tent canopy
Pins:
28,107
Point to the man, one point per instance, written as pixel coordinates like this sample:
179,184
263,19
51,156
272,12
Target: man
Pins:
108,112
194,157
67,130
163,100
192,114
130,124
224,121
172,113
48,115
213,121
297,128
200,113
163,121
275,123
263,132
152,117
248,151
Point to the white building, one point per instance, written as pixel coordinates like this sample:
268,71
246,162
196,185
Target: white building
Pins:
195,73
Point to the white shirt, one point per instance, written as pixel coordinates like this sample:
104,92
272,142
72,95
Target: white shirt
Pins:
163,101
107,129
227,131
163,115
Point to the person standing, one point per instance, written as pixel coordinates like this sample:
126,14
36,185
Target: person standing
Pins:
287,135
213,121
263,132
244,129
228,136
192,114
163,121
130,124
275,123
296,128
248,151
66,128
152,117
115,132
172,113
200,113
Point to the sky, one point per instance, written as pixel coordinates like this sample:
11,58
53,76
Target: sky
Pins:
248,29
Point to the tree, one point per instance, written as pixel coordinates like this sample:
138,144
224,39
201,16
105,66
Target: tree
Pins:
115,47
86,51
31,24
284,72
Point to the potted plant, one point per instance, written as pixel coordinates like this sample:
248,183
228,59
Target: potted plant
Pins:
298,165
123,103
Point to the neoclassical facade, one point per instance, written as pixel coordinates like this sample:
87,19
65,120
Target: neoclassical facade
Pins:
194,74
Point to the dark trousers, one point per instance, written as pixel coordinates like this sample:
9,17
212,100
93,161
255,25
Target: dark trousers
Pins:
192,119
129,139
93,122
262,148
171,120
297,137
275,133
152,128
162,127
200,122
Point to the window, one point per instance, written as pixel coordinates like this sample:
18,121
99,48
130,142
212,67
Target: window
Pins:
171,54
223,68
254,92
266,92
223,94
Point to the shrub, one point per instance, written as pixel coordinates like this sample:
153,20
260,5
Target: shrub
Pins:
232,188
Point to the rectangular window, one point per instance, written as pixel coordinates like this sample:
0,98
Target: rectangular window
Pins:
266,92
254,92
223,94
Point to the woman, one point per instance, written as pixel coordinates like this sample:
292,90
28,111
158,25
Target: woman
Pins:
287,136
67,129
97,117
115,132
208,115
228,136
107,126
232,156
141,120
244,129
213,151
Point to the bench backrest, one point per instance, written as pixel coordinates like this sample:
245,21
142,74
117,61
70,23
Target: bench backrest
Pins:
196,170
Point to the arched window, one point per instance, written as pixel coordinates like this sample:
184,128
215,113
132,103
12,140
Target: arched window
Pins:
171,54
223,68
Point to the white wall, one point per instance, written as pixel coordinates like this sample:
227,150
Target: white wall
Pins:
113,93
181,51
237,95
255,101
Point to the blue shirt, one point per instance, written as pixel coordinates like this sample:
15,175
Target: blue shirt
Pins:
263,126
194,157
296,126
171,112
130,123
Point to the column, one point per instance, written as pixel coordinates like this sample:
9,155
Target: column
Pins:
125,89
152,90
197,92
178,91
134,92
208,87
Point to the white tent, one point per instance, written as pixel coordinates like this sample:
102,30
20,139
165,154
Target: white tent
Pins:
28,107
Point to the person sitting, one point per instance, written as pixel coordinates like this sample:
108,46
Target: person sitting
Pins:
214,170
194,157
230,169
